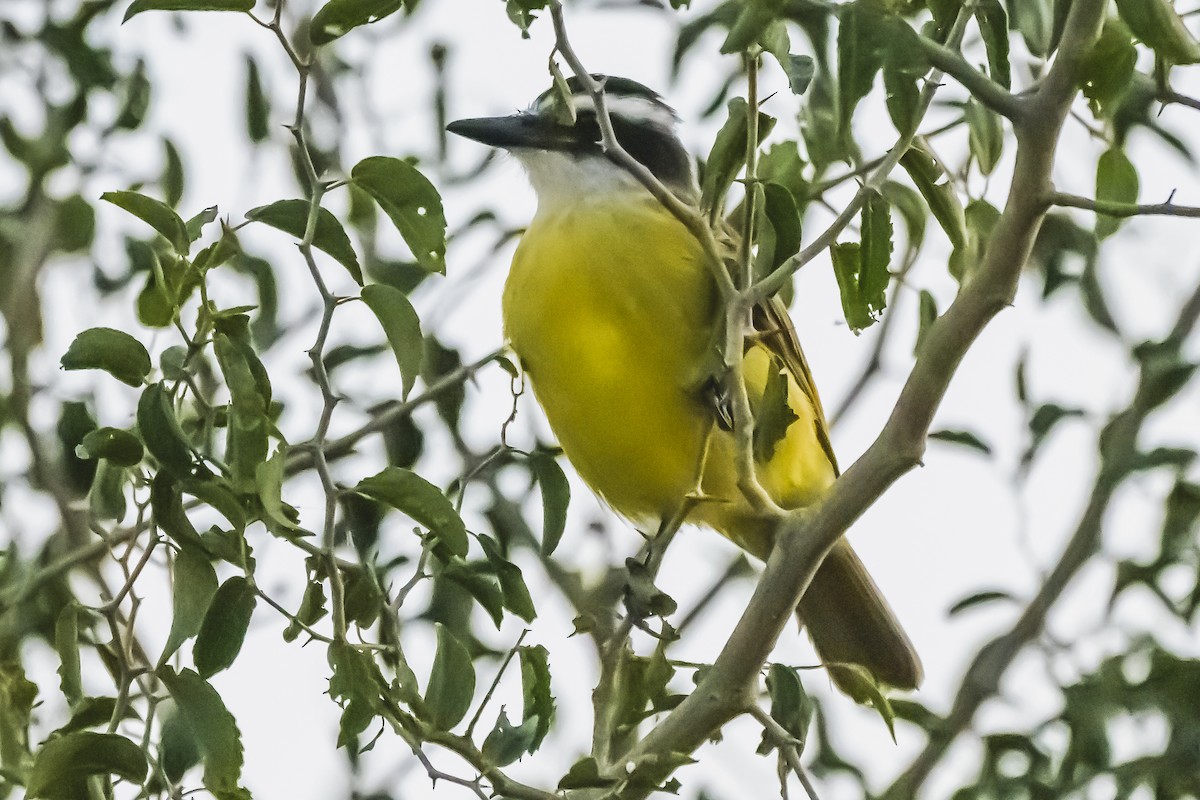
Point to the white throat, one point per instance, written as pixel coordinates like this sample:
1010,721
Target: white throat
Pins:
564,179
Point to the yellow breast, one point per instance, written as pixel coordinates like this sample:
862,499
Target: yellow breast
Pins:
611,310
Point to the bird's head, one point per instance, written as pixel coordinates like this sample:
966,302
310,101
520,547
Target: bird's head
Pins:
564,157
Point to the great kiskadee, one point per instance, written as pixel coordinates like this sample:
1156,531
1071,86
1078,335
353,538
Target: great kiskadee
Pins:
613,313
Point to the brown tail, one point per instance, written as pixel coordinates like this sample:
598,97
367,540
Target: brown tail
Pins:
850,622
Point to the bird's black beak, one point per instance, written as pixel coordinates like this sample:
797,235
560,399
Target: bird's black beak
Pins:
524,130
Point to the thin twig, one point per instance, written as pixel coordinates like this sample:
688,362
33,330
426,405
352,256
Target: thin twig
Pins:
487,697
789,747
1115,209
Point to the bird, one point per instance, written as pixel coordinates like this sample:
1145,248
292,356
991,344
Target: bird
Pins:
614,315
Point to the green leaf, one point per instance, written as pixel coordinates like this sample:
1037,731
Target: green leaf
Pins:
167,505
779,231
901,95
411,494
118,446
799,70
728,154
411,202
1116,182
861,43
927,314
1044,419
195,225
642,598
520,13
17,696
213,728
856,681
75,226
63,765
172,177
338,17
1106,72
155,213
106,497
258,107
964,438
536,690
1034,21
912,209
513,590
585,774
750,25
862,269
993,26
451,681
791,706
773,415
269,480
556,496
479,585
877,246
215,492
506,742
246,447
66,643
113,351
291,216
926,173
138,6
161,432
312,609
194,584
1157,24
402,328
178,750
979,599
355,685
224,628
985,135
89,712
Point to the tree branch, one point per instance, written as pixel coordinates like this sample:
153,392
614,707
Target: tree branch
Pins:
1114,209
981,87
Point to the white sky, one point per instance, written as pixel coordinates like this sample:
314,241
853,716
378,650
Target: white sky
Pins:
948,530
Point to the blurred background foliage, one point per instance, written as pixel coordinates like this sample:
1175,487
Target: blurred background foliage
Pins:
253,396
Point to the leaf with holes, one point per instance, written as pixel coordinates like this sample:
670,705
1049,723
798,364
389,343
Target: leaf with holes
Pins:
411,202
118,446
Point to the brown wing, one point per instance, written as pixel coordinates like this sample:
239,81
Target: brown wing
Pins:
778,334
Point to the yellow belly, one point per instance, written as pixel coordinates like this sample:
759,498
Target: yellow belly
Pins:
611,310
